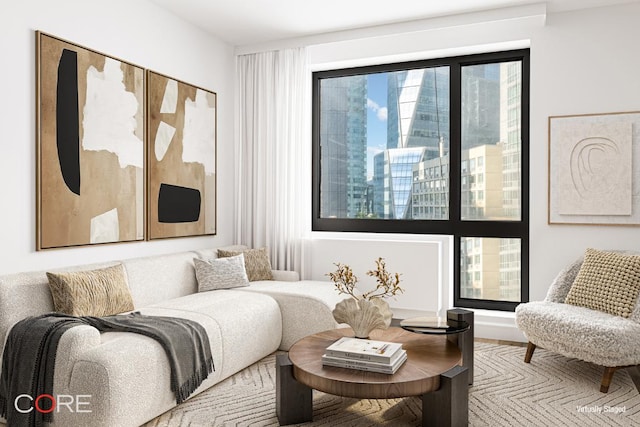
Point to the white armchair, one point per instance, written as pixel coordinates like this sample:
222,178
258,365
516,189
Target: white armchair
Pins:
578,332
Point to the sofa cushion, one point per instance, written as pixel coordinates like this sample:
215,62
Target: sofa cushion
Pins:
222,273
250,324
160,277
608,282
256,262
101,292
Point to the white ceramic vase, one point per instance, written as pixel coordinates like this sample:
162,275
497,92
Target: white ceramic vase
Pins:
363,315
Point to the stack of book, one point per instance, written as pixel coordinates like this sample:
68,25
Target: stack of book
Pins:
365,355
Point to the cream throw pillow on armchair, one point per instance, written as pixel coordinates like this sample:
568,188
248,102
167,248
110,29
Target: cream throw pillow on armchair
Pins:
608,282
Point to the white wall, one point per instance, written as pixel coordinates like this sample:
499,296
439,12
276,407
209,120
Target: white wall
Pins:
420,261
134,31
581,62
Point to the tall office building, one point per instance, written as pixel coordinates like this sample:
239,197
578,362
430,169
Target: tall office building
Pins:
418,109
480,105
417,130
343,136
510,134
510,137
393,176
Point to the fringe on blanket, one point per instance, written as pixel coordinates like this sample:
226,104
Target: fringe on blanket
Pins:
188,387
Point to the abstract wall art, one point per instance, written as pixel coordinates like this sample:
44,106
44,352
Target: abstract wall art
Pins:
181,159
90,146
594,169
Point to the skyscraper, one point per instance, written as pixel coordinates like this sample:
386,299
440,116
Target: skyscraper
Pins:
417,130
418,109
343,136
393,176
480,105
510,137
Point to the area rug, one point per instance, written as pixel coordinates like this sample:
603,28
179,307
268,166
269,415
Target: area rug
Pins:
551,391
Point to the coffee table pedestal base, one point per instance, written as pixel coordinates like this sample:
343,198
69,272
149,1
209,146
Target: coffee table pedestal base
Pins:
449,405
446,407
294,400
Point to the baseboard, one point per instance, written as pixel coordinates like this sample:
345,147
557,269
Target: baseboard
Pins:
501,342
497,325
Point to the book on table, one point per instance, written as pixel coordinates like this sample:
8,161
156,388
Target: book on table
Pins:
363,349
364,365
366,355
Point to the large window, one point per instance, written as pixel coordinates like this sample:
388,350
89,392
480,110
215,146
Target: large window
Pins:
434,147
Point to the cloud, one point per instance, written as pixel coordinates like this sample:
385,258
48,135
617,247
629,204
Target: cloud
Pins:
381,112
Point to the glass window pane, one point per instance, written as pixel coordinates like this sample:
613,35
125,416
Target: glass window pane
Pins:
490,268
384,141
491,139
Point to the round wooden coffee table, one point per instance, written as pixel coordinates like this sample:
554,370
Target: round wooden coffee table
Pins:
431,361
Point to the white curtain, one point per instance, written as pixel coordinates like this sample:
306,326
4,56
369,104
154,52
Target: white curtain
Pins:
273,154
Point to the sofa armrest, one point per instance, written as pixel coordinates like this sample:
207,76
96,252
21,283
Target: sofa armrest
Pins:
73,344
285,276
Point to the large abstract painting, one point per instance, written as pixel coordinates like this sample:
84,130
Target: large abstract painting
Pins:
594,169
90,148
181,163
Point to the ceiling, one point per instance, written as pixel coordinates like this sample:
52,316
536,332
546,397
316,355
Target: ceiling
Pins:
246,22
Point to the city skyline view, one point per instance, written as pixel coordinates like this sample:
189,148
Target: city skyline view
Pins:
385,143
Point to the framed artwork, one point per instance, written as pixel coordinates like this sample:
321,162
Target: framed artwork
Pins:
181,159
90,146
594,169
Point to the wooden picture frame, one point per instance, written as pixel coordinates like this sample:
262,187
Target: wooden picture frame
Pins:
90,146
594,169
181,158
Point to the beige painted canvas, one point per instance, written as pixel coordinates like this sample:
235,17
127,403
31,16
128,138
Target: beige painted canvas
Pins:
181,166
90,146
594,169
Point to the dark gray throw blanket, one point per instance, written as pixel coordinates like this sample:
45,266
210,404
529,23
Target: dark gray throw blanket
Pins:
29,356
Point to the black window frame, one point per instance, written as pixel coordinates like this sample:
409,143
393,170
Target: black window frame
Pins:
454,226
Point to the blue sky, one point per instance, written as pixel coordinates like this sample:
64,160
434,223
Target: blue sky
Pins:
376,117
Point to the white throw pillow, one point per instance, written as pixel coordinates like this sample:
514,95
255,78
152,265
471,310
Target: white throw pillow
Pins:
220,273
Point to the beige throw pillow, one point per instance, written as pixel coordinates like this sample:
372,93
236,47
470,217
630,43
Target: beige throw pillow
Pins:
608,282
102,292
256,262
221,273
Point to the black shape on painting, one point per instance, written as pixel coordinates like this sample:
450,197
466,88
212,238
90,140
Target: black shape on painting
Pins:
67,127
178,204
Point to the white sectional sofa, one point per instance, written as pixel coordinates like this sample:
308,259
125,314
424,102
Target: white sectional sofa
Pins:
127,375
